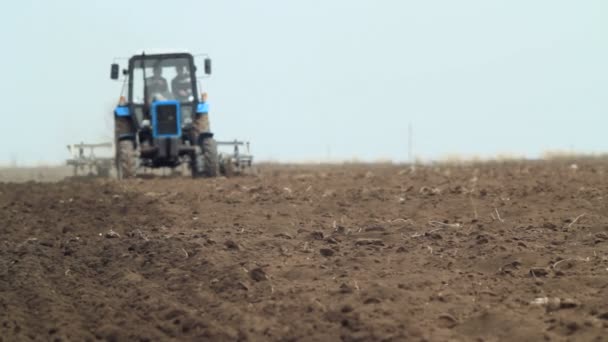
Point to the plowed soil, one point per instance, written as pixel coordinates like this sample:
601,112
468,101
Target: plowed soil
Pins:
501,251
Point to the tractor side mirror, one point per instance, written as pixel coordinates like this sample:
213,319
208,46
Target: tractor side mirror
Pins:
114,71
208,66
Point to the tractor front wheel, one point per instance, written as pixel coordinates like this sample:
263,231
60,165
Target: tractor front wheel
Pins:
197,163
126,162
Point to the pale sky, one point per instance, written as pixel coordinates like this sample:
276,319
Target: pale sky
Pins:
312,80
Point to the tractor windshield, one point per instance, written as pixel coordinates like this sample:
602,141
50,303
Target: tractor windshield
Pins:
165,79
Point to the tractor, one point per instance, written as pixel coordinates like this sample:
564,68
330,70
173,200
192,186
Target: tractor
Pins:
161,120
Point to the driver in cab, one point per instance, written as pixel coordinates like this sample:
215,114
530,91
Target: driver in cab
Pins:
180,85
156,84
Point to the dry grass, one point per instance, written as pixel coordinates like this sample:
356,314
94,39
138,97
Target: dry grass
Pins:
36,174
44,173
570,155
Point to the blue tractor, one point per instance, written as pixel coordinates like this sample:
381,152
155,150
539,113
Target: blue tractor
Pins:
161,119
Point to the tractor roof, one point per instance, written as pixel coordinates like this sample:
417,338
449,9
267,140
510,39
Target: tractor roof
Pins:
151,55
157,51
154,57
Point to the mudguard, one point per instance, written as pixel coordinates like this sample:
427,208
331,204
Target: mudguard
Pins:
122,111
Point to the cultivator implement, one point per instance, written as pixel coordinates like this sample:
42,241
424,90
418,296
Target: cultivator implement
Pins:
85,163
236,162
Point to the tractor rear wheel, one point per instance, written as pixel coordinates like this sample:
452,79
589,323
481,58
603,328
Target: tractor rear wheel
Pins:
126,162
103,171
210,158
227,167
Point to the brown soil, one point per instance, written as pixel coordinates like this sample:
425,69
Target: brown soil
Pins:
326,253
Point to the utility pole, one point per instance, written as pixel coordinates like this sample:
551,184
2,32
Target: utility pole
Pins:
410,143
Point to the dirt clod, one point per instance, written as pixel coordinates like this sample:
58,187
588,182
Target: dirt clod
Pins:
231,245
327,252
112,234
367,242
258,274
539,272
